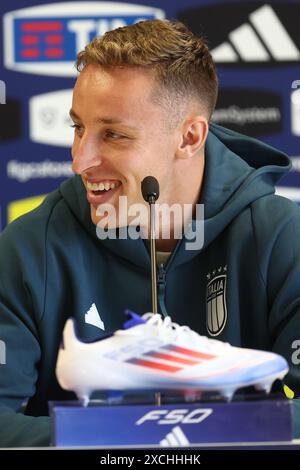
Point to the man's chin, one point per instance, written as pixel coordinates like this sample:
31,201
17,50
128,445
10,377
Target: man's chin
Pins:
112,218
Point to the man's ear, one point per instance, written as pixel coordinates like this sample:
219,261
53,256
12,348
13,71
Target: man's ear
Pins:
193,135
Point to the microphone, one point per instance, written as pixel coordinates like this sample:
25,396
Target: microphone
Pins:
150,192
150,189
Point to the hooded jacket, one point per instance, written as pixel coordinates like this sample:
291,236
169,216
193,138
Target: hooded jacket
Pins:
54,266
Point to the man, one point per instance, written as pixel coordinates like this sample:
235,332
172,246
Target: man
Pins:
141,106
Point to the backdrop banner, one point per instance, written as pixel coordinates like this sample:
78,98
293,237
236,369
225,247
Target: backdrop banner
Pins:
256,46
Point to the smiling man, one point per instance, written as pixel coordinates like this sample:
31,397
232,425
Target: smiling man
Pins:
129,124
142,105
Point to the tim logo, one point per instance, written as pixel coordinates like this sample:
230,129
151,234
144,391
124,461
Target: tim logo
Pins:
216,309
45,40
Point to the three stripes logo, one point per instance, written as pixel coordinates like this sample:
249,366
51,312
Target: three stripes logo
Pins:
175,438
170,358
251,33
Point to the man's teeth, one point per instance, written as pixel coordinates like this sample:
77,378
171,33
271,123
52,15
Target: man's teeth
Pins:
100,186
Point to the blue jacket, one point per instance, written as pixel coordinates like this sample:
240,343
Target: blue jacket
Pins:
53,266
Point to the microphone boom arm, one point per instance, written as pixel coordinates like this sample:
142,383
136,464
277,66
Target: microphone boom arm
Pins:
153,256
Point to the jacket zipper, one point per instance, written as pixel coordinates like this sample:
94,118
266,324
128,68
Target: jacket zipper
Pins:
162,281
161,284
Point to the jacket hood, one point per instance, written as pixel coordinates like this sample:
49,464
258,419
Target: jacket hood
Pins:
238,171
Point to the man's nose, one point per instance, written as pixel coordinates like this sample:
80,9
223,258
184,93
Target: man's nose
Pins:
85,155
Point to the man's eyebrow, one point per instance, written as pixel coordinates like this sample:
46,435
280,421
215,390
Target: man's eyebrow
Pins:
73,114
102,120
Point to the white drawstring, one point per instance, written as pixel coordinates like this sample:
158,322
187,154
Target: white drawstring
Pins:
166,325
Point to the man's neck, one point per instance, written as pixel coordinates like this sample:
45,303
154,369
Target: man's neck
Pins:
166,245
188,192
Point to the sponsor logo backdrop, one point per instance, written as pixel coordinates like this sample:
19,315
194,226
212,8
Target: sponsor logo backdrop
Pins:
256,46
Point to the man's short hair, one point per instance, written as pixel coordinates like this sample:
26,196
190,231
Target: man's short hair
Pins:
180,60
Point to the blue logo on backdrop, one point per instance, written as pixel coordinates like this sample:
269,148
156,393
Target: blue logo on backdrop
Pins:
46,39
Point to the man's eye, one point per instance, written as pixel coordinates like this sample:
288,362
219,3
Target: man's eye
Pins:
78,129
75,126
114,135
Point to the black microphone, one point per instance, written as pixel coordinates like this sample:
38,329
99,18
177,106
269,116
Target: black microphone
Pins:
150,191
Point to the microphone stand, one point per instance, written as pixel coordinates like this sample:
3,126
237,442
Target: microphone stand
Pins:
150,191
157,395
153,255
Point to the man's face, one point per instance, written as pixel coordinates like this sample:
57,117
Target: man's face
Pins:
120,136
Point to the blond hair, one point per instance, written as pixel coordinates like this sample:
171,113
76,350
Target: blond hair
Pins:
181,61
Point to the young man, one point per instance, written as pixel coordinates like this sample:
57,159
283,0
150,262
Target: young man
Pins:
141,106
